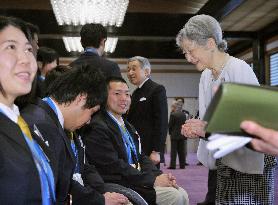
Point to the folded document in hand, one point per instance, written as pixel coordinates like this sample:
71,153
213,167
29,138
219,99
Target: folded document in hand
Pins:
234,103
222,145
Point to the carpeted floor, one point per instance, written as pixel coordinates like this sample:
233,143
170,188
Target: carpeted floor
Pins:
194,179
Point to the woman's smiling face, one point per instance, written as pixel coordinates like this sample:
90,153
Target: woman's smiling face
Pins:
196,54
17,62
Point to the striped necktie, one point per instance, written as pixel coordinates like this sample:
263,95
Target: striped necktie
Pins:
24,127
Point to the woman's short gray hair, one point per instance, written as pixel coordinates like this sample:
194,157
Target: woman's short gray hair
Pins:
144,62
200,28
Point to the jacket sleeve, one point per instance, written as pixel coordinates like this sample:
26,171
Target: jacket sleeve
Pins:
171,124
92,178
85,195
160,118
148,166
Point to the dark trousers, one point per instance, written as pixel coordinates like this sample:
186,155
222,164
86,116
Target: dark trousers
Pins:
178,147
212,178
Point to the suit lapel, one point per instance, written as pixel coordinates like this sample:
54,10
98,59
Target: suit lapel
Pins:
135,98
12,130
52,160
49,111
138,94
67,142
55,119
117,133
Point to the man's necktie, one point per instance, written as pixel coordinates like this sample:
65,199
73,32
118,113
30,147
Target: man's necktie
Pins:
24,127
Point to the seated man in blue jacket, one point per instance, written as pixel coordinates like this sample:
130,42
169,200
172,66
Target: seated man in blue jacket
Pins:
113,146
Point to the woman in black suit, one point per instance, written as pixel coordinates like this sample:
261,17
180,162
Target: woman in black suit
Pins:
25,171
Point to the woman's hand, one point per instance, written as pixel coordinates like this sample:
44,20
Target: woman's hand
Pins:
193,128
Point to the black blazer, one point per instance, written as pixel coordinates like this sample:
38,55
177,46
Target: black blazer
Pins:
91,193
148,113
177,119
40,114
109,68
106,150
41,88
48,123
19,178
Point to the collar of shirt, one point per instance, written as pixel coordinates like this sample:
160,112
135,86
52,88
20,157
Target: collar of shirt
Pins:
59,113
91,50
119,122
11,113
140,86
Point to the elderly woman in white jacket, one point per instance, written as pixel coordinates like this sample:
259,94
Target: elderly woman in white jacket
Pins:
243,176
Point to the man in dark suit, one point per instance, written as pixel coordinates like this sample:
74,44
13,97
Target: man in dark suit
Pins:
178,142
93,38
148,111
112,145
73,97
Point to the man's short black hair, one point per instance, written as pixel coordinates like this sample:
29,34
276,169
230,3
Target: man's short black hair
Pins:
115,79
92,34
47,55
180,98
85,79
53,74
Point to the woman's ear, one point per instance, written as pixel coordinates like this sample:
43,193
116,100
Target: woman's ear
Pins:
211,43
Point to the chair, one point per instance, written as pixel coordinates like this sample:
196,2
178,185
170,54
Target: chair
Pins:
132,195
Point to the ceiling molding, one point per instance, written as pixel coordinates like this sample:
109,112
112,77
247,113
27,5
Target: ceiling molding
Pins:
269,31
220,9
239,47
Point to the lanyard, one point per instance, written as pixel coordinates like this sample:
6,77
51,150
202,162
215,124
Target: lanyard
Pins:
51,104
128,141
44,170
75,152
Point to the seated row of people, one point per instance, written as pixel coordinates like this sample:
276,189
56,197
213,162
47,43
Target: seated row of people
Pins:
45,161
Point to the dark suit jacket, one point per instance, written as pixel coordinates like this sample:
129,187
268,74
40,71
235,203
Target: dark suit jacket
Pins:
106,150
41,88
109,68
91,193
19,178
148,113
177,119
48,123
